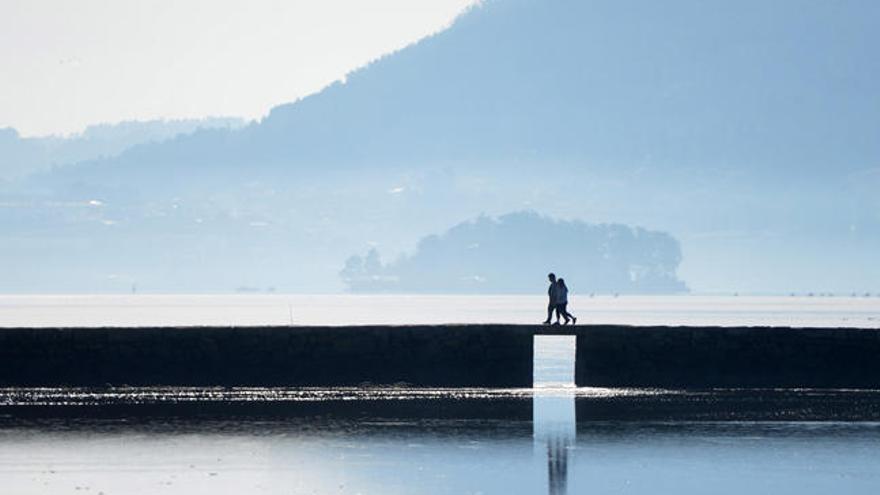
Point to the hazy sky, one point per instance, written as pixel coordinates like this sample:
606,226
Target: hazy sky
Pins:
70,63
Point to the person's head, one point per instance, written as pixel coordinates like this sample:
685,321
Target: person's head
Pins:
561,282
551,277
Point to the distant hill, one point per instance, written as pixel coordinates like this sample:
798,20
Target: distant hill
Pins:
762,87
514,252
748,130
21,156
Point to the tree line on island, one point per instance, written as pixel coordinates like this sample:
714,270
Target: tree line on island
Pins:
512,254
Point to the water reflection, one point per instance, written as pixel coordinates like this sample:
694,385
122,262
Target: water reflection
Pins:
555,433
390,441
557,466
553,407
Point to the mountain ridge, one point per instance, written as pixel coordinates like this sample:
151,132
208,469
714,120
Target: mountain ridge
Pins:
23,156
739,129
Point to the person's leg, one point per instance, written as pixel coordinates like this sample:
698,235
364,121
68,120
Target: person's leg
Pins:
563,308
550,308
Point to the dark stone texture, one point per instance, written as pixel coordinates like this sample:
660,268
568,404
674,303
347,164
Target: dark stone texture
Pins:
504,409
701,357
439,356
726,404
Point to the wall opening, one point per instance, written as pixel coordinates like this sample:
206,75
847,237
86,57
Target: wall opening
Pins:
554,361
553,409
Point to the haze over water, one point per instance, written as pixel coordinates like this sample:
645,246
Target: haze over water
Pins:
278,309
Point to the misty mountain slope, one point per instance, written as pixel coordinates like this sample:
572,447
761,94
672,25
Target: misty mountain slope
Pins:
20,156
618,84
747,130
762,86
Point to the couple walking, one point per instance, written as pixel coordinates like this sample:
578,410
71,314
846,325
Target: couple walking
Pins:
558,294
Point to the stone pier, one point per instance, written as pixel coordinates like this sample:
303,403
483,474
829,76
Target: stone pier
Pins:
716,357
437,356
422,356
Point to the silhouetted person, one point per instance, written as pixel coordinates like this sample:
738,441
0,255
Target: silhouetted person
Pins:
562,303
551,293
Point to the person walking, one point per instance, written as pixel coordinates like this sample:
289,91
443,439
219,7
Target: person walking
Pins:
562,303
551,294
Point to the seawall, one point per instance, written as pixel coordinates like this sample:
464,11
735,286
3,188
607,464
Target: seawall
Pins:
437,356
714,357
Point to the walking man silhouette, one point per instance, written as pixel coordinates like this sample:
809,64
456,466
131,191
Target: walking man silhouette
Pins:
551,293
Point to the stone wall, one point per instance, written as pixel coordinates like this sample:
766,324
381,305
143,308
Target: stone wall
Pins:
440,356
437,356
691,357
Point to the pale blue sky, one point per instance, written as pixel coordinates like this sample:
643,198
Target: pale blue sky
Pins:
67,64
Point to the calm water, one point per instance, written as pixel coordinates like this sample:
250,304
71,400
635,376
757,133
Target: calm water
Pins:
147,310
431,442
552,439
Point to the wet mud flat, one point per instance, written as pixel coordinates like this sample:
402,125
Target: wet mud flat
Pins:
556,440
19,405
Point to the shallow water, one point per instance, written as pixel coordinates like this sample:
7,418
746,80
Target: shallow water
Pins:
503,442
552,439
